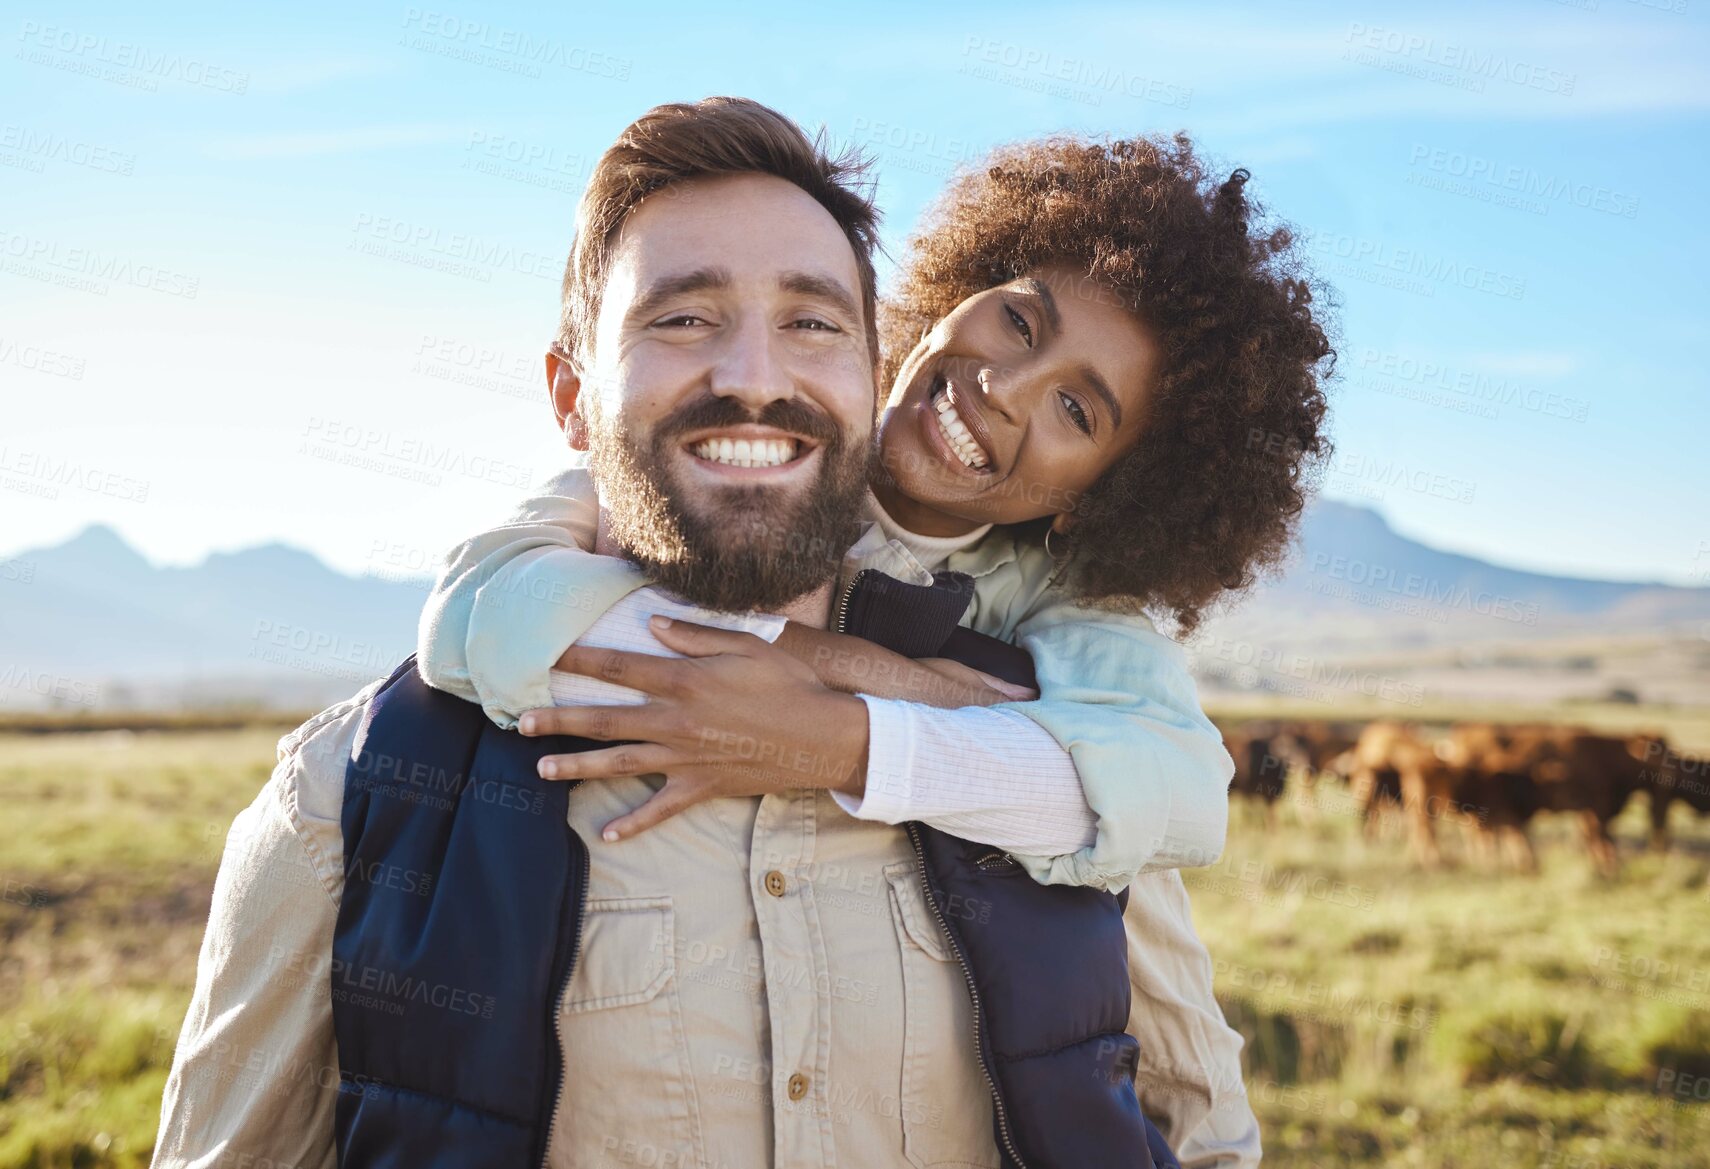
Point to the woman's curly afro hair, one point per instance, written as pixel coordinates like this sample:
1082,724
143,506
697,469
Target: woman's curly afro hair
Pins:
1209,496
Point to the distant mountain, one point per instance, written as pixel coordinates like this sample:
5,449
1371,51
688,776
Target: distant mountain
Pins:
1333,529
1420,619
1350,562
92,623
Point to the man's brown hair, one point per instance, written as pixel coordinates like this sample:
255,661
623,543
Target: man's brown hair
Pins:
673,143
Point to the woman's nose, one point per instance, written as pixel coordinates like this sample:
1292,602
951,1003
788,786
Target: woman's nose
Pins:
997,391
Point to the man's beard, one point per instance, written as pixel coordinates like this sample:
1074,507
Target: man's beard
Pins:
742,549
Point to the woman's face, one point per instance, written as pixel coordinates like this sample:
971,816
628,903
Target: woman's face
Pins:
1014,404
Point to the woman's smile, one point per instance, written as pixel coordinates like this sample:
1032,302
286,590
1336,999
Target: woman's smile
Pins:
956,430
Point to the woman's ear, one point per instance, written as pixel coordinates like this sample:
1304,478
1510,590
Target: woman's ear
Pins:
564,386
1062,522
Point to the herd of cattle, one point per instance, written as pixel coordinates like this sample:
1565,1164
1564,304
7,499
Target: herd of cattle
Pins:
1490,777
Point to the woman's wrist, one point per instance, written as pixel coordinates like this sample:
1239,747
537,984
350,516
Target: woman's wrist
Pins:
815,648
843,766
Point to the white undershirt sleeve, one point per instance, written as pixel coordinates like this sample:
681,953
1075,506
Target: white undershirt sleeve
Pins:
988,775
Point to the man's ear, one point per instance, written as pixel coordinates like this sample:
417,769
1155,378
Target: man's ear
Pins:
564,386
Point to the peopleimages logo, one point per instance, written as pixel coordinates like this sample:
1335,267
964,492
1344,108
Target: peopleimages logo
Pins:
88,269
1522,182
1090,78
399,239
453,36
1464,61
42,474
1469,384
82,52
1412,269
324,435
38,147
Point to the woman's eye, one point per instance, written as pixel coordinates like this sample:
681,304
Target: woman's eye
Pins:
1021,325
1077,413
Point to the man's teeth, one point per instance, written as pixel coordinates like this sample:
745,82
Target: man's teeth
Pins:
743,452
956,433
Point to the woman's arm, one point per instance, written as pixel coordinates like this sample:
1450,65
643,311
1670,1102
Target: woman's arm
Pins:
509,601
857,666
1120,698
991,776
1113,771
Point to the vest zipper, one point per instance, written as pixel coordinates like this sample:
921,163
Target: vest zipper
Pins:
973,993
840,619
558,1000
840,615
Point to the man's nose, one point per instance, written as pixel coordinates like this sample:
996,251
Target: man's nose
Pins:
750,369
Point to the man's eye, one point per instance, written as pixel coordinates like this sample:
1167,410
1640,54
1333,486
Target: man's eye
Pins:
1077,413
814,325
682,319
1021,325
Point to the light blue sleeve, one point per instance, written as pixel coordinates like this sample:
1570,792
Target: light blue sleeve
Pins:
510,601
1118,696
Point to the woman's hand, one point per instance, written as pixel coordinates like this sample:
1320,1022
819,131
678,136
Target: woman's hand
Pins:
734,717
981,688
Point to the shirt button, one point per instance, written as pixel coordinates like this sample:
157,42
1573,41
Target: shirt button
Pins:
798,1086
775,884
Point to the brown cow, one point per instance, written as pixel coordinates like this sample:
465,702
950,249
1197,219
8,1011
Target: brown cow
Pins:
1310,750
1594,776
1259,771
1495,767
1517,771
1671,776
1390,761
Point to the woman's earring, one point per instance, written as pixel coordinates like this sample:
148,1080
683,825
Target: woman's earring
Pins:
1049,532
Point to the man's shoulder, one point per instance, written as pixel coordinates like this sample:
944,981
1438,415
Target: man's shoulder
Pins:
308,779
341,718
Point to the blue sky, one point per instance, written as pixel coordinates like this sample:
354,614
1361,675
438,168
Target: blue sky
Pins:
284,275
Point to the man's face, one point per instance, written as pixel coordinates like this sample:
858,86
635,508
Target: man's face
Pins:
727,404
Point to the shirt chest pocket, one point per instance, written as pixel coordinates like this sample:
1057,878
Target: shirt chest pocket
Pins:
946,1103
628,1094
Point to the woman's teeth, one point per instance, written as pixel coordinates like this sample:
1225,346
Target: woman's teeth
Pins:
956,433
742,452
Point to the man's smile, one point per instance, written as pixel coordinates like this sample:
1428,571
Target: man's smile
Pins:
750,452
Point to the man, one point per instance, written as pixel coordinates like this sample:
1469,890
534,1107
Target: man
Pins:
410,961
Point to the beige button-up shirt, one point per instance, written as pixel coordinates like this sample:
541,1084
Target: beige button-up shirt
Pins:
827,1022
760,983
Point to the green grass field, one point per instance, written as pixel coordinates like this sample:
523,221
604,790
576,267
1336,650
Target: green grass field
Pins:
1394,1017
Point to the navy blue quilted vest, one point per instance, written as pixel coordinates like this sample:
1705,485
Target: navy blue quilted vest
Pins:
461,915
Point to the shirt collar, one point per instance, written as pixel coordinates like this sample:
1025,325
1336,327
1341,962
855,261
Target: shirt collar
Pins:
875,550
984,556
996,549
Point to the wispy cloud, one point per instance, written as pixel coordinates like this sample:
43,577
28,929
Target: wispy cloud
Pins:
353,141
1277,69
296,76
1528,363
